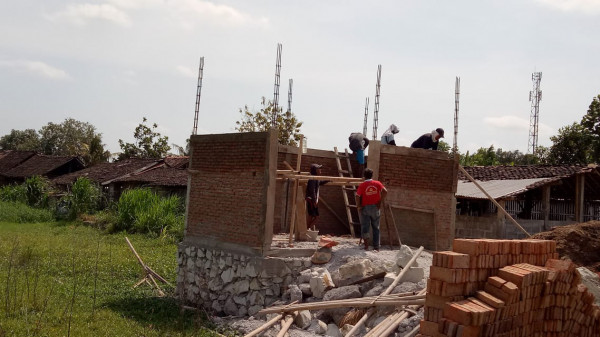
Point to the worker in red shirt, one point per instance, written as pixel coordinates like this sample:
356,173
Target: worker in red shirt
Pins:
369,199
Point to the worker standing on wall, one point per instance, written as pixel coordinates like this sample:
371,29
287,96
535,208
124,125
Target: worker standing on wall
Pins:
370,197
312,195
358,144
429,140
388,135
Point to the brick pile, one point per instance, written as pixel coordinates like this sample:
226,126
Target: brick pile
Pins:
506,288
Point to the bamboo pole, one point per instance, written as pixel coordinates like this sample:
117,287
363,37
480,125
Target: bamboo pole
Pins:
394,222
493,200
268,324
386,292
287,322
394,325
264,327
393,299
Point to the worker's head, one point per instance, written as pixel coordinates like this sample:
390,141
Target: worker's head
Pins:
440,133
394,129
315,169
368,173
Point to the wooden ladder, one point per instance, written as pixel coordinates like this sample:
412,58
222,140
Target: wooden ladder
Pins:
347,188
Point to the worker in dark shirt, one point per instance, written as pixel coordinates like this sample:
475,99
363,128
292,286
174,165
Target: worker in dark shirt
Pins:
358,143
312,195
429,140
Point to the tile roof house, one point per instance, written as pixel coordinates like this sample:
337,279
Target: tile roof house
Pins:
10,159
168,175
39,165
536,196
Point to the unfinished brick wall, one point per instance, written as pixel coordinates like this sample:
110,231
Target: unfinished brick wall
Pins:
232,182
328,223
421,185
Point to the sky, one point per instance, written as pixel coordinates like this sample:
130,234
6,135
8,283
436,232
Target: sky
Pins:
113,62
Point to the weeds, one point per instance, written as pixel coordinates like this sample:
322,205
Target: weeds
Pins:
68,280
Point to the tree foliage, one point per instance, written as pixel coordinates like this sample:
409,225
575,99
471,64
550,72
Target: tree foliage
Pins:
69,138
149,143
572,145
288,126
591,122
21,140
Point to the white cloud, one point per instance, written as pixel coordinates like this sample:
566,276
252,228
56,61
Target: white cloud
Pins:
81,14
136,4
187,72
507,122
192,11
583,6
36,68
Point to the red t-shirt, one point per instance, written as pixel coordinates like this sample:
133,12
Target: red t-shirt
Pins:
370,192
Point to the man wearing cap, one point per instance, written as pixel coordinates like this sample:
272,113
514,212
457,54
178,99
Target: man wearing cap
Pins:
312,195
429,140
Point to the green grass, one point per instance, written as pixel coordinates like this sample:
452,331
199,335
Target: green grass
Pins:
50,284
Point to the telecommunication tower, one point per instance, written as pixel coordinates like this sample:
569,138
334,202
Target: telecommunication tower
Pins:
456,101
276,91
198,92
366,115
535,96
376,109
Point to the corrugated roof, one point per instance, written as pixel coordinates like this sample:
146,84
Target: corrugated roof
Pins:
498,189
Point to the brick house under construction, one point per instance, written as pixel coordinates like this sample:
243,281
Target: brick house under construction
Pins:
235,204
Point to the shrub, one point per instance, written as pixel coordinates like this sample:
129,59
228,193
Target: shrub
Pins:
84,197
36,191
22,213
141,210
14,193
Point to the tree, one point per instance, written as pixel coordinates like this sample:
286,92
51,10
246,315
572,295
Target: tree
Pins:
148,143
73,138
591,122
25,140
69,138
287,124
572,145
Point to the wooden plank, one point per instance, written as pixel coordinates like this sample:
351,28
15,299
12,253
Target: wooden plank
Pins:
301,215
294,191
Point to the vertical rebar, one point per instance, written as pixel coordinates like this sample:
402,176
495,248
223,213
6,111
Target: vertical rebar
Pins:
276,91
198,92
535,96
456,101
376,109
366,115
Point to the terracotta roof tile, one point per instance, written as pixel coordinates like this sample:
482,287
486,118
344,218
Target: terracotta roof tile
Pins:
105,171
10,159
40,164
160,176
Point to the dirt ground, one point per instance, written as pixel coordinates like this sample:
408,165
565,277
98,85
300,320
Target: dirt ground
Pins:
347,250
578,242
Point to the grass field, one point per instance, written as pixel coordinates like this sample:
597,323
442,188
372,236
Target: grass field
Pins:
68,280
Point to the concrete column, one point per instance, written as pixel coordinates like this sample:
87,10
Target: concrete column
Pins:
373,159
501,220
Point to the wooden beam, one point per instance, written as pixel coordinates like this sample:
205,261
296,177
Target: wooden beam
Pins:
579,196
422,210
298,161
330,178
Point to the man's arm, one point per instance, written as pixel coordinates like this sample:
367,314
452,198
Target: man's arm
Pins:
383,196
358,201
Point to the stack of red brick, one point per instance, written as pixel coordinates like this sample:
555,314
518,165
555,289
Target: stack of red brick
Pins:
506,288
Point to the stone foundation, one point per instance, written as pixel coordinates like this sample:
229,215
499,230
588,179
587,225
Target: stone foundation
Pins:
233,284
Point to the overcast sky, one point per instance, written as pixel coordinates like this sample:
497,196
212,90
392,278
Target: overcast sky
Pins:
112,62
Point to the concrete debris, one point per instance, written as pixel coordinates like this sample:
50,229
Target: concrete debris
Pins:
303,319
404,255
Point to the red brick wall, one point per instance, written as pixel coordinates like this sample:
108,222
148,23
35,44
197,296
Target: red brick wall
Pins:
422,183
228,188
